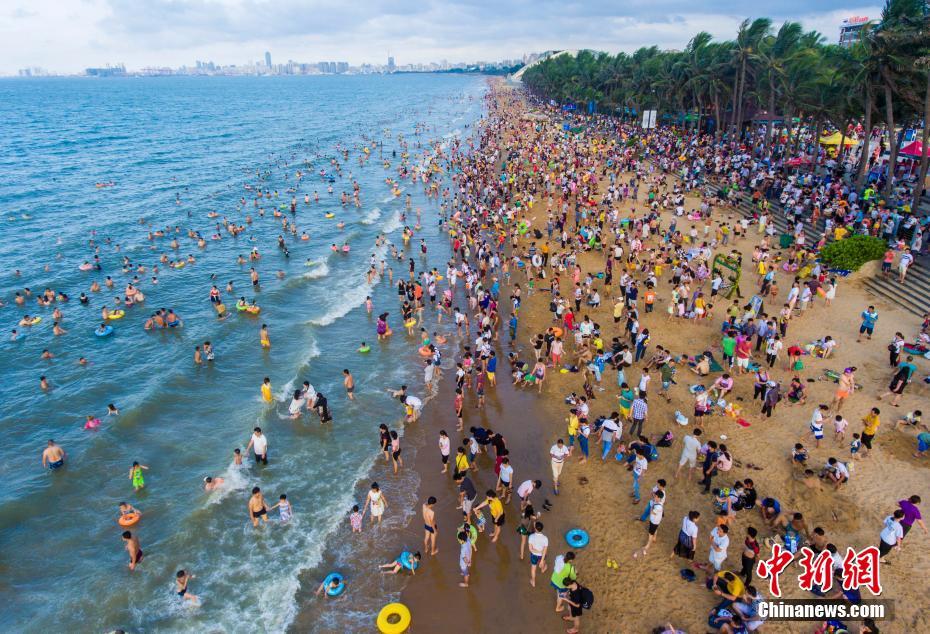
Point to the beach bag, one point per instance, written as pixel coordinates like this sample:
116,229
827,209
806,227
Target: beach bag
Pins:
680,418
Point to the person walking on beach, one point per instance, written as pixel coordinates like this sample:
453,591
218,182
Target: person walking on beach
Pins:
689,453
430,528
558,452
376,502
538,546
656,511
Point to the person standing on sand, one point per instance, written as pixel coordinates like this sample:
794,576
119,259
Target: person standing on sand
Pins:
689,452
445,446
466,549
376,501
846,385
430,528
870,424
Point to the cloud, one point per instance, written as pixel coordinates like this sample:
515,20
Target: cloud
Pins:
174,32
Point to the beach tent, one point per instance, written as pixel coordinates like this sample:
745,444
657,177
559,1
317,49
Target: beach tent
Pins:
835,138
914,149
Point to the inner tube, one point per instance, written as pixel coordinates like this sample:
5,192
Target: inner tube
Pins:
254,310
334,576
407,561
106,332
557,332
425,352
410,323
117,314
364,349
329,215
394,618
35,320
577,538
129,519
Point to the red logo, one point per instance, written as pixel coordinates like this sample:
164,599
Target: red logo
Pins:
860,569
772,567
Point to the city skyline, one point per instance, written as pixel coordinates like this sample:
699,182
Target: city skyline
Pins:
67,36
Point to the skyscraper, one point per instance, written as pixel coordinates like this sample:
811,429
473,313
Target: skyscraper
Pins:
267,59
390,66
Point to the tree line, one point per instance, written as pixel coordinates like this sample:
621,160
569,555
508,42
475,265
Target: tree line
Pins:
881,79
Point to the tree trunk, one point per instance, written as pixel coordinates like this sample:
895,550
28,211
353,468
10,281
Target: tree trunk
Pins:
733,102
739,102
892,140
770,124
924,158
716,116
867,138
818,130
839,151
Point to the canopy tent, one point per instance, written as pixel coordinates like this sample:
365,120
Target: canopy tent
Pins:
836,138
914,148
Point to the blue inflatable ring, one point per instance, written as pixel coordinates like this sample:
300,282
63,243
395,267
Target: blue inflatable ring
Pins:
334,576
577,538
106,331
408,561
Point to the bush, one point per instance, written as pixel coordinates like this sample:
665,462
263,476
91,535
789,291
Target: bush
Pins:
852,252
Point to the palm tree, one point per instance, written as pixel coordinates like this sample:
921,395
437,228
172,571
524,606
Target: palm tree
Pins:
747,42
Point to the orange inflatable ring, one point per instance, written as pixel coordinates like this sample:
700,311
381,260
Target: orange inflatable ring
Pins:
557,332
129,519
425,352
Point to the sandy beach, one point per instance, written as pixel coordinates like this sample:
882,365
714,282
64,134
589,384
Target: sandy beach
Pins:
647,593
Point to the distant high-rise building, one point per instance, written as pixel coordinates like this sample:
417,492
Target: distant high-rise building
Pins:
390,65
267,59
342,67
851,29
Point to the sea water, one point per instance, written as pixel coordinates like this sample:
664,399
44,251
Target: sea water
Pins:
177,149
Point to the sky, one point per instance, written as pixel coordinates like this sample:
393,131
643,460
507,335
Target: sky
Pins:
66,36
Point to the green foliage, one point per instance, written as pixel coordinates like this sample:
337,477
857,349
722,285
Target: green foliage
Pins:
852,252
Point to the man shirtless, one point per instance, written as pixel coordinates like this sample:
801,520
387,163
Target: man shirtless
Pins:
133,548
257,507
430,528
349,383
53,456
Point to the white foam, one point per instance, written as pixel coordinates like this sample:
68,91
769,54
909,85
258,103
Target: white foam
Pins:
393,224
233,480
286,393
371,216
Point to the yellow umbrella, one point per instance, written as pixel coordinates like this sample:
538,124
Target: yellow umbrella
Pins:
835,138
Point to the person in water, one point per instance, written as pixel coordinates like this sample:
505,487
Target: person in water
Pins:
133,548
53,457
257,507
135,474
181,581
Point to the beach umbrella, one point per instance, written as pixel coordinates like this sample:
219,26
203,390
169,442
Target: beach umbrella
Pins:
914,148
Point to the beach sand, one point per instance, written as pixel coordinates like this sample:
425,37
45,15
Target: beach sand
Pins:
648,593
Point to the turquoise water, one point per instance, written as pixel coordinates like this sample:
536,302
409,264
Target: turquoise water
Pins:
178,149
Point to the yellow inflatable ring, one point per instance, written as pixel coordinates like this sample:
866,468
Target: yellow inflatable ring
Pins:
394,618
117,314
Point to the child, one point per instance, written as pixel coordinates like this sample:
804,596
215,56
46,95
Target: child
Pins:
799,454
181,580
92,422
284,508
855,446
355,520
912,418
839,429
237,457
135,474
125,509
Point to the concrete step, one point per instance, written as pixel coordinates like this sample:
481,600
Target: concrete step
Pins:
898,294
918,292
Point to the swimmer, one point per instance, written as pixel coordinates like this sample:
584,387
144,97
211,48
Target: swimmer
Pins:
237,457
82,361
411,562
53,456
43,384
264,339
212,484
333,585
125,508
181,581
111,410
348,382
257,507
47,355
267,396
91,423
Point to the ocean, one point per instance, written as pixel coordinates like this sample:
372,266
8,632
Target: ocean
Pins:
176,150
